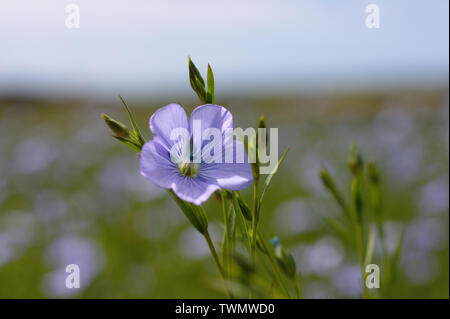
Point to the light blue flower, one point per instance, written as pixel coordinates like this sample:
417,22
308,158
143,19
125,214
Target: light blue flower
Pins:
192,182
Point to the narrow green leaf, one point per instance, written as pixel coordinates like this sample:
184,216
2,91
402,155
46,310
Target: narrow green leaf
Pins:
195,72
140,139
200,91
337,226
241,222
225,253
129,143
199,222
231,220
227,238
269,179
260,244
394,263
370,245
246,211
197,82
210,82
200,215
356,191
330,185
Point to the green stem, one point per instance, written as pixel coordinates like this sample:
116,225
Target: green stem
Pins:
275,267
254,225
217,261
385,255
227,238
298,286
360,248
254,220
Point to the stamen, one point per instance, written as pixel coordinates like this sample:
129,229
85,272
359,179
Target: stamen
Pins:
188,169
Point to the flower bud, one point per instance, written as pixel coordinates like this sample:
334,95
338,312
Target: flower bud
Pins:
355,161
330,185
255,143
374,190
373,173
118,128
262,124
284,259
357,198
244,208
275,241
197,82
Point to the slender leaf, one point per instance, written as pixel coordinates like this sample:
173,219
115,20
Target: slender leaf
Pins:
246,211
197,82
269,178
191,212
394,263
241,222
140,139
210,82
370,245
129,143
195,72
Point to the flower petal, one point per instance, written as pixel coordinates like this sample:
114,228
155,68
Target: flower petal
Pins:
208,116
212,116
165,120
156,166
236,175
195,190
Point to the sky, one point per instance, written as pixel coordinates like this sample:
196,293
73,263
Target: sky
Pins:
140,47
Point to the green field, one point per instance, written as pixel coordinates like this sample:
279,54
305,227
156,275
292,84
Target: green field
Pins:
71,194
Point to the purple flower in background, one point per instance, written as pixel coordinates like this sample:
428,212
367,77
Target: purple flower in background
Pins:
191,180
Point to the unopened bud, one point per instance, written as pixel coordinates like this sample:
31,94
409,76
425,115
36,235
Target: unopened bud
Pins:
374,190
284,259
373,173
118,128
355,161
197,82
330,185
244,208
262,125
256,143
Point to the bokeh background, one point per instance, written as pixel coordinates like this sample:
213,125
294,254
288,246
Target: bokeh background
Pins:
71,194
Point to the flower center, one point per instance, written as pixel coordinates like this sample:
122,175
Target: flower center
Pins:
188,169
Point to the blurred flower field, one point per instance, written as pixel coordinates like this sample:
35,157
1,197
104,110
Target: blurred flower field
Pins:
69,194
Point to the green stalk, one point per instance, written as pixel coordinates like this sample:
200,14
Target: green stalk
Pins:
227,238
360,248
217,261
255,218
254,225
385,254
298,288
275,267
